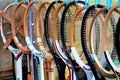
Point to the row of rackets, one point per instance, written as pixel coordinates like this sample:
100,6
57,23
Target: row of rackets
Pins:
62,41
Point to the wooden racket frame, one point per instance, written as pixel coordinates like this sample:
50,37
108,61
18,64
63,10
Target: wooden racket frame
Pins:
115,69
18,44
10,38
96,62
55,39
15,30
16,52
88,52
34,51
8,17
48,57
53,5
114,8
65,49
78,59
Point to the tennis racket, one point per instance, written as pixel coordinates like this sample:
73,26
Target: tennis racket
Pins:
109,46
67,15
18,37
50,66
7,39
75,42
88,16
36,57
49,38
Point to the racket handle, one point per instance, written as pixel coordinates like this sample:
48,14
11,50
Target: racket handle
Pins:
19,68
29,76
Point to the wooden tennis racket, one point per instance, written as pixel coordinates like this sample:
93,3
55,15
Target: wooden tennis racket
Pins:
107,43
50,66
49,38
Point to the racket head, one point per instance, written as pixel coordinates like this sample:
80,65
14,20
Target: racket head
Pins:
75,42
50,67
56,28
19,37
56,34
48,24
36,56
75,33
29,26
65,23
109,37
97,47
110,29
100,51
85,29
66,18
6,32
39,29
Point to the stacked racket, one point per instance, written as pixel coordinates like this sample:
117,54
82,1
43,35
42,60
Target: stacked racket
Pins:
63,40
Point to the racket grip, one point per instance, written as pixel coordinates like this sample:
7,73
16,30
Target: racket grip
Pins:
19,68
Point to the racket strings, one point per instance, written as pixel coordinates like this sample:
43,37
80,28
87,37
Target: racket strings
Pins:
77,37
7,30
49,30
89,18
48,68
97,37
67,21
65,34
111,36
31,19
19,20
68,17
42,29
110,30
58,28
97,31
85,38
113,23
49,36
19,14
